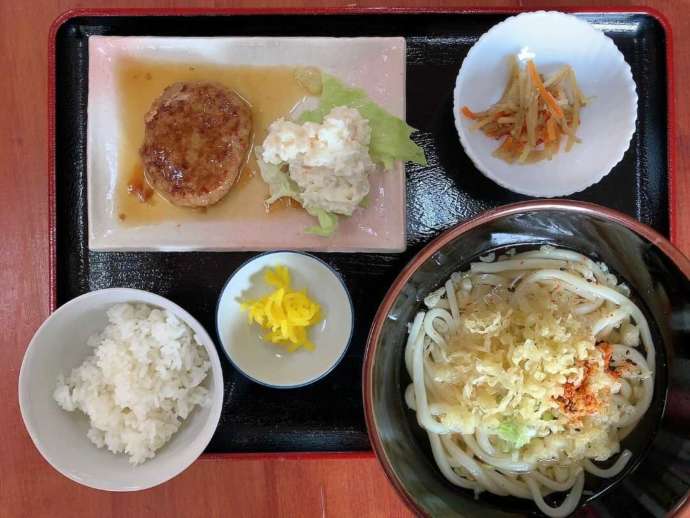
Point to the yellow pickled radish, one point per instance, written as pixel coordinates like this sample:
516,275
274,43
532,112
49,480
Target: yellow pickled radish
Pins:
284,313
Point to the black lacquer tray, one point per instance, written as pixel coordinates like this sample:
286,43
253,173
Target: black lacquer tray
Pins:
328,415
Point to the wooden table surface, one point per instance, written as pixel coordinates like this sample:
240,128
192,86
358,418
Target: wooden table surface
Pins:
352,486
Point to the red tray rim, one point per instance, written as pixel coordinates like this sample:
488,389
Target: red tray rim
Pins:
219,11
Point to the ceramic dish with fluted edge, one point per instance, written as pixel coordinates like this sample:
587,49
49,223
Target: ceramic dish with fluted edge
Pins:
59,345
269,364
552,39
659,277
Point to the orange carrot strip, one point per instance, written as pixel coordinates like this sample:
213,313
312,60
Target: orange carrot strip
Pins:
507,145
548,98
551,128
469,113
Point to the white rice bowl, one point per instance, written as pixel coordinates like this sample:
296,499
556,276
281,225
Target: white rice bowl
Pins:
141,382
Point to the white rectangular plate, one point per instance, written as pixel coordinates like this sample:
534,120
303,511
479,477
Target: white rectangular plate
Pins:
375,64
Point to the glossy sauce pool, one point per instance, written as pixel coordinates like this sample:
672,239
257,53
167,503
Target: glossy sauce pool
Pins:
272,92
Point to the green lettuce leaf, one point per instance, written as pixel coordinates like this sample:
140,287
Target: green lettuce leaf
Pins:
514,433
279,183
390,136
328,222
281,186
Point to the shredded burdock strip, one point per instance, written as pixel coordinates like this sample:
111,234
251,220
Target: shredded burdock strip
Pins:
534,115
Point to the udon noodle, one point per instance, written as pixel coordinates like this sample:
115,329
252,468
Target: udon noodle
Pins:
526,371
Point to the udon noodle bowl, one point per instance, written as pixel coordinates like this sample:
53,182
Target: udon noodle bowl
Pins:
528,370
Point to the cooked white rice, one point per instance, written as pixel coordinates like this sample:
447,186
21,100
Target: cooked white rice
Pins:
142,381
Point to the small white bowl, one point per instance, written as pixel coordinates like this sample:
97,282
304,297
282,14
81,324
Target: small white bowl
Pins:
270,364
58,346
552,39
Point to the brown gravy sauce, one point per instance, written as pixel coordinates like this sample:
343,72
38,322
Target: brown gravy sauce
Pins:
272,92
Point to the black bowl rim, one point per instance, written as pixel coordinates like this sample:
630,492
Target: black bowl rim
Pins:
573,206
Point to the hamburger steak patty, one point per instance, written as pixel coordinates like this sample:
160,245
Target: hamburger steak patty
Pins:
196,138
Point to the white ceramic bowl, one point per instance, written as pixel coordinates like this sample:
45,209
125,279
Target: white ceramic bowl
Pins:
270,364
552,39
58,346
